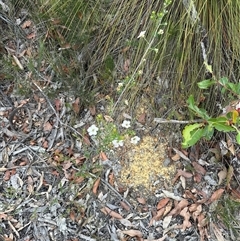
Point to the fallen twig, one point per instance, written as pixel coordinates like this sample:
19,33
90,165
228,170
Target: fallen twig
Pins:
160,120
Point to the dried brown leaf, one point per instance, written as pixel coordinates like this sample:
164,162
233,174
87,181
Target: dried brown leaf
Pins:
96,185
216,195
197,177
76,106
198,168
103,156
58,104
184,173
176,157
186,215
108,118
47,126
124,205
142,118
141,200
168,208
111,179
86,140
92,110
162,203
230,145
181,205
181,154
157,217
126,65
133,233
222,175
112,213
229,176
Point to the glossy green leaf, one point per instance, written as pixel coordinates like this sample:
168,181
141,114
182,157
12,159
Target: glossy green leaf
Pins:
192,134
205,84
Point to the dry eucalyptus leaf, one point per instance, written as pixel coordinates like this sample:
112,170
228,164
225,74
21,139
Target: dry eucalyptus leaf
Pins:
111,213
216,195
162,203
96,185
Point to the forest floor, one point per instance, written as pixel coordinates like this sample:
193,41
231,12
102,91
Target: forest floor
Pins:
72,173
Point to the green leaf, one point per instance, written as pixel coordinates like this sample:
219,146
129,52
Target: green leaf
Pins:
192,134
200,112
224,81
238,138
220,124
205,84
208,132
222,127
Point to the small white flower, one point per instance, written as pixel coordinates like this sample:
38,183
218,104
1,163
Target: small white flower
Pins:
135,140
142,34
92,130
117,143
160,32
126,124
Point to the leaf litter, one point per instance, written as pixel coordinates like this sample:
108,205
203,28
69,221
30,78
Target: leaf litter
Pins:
51,190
